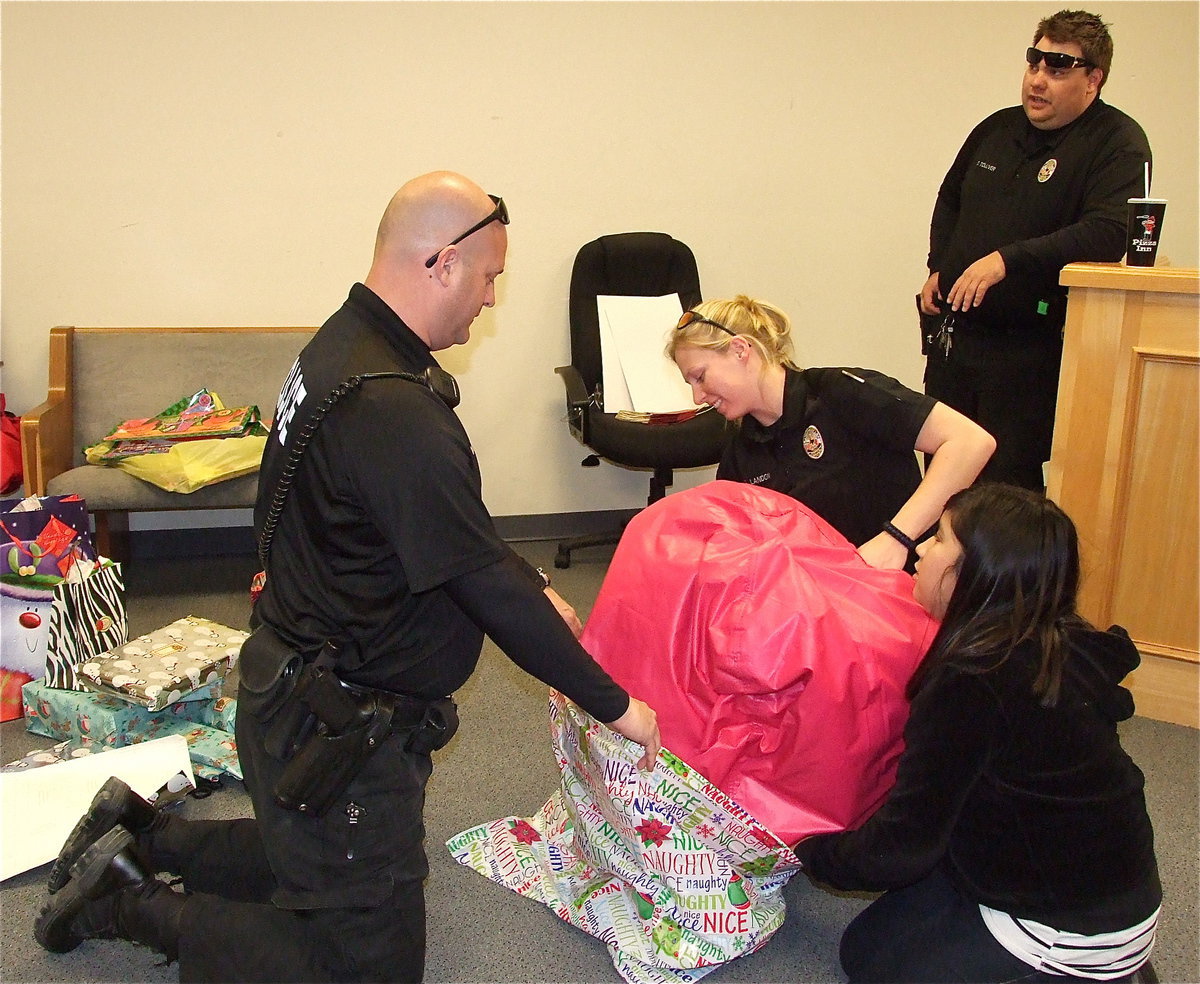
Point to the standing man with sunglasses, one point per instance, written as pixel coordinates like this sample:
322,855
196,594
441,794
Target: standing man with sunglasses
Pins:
1035,187
383,572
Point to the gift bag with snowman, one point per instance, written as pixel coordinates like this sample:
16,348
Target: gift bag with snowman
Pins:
60,603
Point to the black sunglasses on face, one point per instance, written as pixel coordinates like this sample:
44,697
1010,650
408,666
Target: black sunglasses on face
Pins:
498,214
691,317
1059,60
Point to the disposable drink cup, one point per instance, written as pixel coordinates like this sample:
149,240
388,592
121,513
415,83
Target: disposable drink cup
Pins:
1143,227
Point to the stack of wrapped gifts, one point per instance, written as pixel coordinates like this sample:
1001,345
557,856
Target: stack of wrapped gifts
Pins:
169,681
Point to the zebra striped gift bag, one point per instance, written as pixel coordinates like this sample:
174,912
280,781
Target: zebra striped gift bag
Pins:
87,619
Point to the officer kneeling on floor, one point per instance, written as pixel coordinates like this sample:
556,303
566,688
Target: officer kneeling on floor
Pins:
383,572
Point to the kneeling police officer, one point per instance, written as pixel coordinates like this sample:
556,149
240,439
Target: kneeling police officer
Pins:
383,572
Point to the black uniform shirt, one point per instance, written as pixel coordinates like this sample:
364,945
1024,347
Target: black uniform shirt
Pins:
1036,811
1043,199
387,506
844,447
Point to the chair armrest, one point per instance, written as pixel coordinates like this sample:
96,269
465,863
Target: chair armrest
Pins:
577,394
578,402
45,444
47,430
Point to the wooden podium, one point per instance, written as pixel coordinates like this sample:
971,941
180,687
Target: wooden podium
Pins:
1126,466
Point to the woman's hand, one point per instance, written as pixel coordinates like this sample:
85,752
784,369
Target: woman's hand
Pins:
639,723
885,552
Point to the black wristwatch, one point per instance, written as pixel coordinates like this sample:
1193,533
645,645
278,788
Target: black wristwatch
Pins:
544,576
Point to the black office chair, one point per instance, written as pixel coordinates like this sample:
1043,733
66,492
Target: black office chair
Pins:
642,264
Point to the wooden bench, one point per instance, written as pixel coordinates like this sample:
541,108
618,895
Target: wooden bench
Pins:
100,377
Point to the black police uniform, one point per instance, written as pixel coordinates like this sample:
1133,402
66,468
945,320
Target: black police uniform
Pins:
1043,199
385,548
844,447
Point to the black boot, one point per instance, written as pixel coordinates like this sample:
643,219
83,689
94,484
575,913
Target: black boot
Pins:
112,896
114,804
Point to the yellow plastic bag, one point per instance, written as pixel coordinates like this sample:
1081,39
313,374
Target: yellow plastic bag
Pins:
191,465
178,463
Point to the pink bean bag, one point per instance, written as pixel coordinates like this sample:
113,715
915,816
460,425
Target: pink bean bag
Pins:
775,657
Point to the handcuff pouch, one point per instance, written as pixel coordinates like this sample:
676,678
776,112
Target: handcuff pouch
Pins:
437,726
270,671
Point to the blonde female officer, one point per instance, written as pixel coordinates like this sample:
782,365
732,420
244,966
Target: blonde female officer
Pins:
840,440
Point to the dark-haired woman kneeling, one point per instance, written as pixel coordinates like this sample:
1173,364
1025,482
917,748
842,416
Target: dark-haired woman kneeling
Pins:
1015,845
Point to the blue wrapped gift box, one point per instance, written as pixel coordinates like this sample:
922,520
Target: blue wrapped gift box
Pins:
206,720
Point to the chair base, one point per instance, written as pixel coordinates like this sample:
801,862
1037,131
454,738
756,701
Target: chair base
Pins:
562,558
660,481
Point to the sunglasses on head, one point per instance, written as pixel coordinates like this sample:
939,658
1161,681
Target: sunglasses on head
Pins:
691,317
1055,59
498,214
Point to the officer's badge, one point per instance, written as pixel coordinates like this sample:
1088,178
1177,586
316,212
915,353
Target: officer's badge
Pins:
814,443
1047,171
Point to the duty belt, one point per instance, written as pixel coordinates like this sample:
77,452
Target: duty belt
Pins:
341,725
408,713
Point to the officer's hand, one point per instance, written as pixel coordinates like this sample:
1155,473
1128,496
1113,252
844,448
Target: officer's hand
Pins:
565,610
929,296
969,289
884,552
639,723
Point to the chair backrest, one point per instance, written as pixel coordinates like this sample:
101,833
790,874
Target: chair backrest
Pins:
643,264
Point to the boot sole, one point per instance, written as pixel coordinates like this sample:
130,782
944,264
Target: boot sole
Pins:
108,807
89,881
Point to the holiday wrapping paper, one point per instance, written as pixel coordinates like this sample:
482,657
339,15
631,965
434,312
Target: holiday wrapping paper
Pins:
70,751
667,870
192,443
97,722
63,751
164,666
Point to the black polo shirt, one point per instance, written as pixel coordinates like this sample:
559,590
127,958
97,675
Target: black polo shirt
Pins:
1043,199
844,447
386,507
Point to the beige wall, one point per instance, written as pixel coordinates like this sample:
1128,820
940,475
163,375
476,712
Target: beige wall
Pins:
226,163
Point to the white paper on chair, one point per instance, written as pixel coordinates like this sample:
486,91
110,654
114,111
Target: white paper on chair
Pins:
39,808
636,374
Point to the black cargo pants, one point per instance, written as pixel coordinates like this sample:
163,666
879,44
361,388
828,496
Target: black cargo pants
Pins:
287,897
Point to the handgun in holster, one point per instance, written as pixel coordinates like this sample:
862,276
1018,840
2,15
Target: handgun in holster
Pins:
347,726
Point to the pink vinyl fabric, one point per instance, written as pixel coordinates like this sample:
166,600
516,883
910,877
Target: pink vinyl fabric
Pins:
775,657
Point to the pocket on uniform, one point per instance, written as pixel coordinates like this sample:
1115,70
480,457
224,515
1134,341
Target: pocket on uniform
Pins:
380,823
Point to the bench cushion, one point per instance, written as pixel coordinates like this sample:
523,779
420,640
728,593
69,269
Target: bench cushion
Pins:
110,488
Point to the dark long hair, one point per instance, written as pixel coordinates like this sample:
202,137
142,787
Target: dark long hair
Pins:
1018,578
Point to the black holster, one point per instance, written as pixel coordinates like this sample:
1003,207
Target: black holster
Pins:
326,729
351,724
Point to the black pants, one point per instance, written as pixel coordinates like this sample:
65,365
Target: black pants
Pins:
1008,384
286,897
929,933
